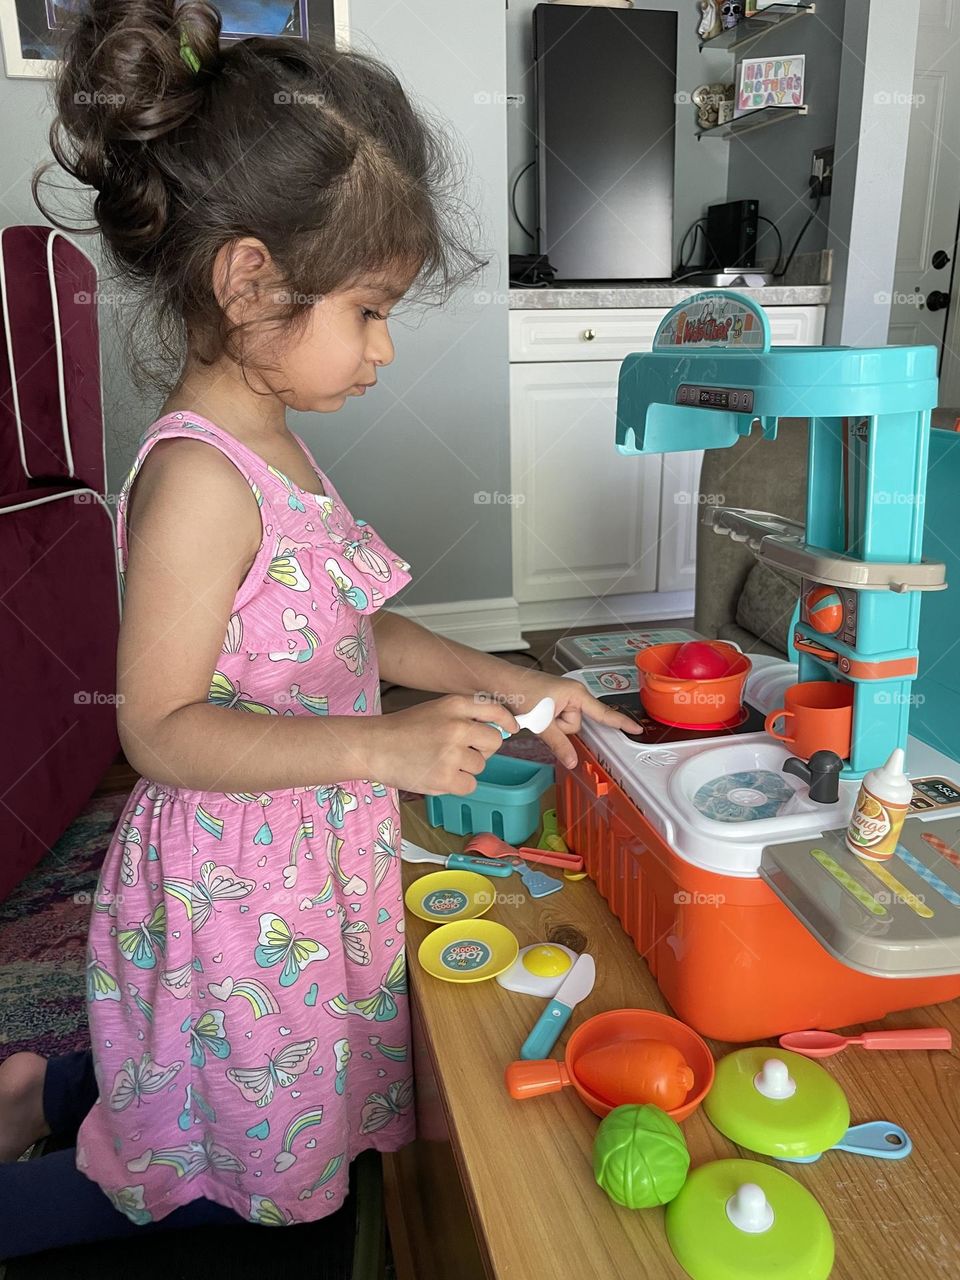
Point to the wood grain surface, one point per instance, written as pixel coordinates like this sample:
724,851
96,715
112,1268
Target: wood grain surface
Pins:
525,1168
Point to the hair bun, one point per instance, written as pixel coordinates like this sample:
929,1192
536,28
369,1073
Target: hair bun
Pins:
125,82
125,78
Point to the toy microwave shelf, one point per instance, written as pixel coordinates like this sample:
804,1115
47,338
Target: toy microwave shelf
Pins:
733,883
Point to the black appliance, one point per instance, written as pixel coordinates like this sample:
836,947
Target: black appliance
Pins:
606,83
731,235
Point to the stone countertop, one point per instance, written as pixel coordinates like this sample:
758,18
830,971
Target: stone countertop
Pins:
586,297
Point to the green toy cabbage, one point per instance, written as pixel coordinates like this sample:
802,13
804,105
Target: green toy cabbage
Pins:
640,1157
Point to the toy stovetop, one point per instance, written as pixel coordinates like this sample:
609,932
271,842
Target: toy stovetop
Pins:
604,648
894,919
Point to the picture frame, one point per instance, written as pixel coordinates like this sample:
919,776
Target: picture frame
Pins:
775,81
28,28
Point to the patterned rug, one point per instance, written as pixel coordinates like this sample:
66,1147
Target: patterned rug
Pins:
43,928
43,931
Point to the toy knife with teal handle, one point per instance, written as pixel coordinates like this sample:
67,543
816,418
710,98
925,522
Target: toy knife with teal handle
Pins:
576,987
411,852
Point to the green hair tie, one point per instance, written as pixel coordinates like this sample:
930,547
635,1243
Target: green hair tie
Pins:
187,54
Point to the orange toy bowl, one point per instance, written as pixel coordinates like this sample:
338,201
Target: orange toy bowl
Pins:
691,702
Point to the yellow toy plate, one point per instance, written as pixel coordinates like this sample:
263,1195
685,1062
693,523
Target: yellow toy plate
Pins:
468,951
450,895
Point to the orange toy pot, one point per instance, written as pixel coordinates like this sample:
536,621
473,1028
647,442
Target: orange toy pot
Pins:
618,1027
691,704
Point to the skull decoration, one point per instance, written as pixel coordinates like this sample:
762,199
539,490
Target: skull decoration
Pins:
731,11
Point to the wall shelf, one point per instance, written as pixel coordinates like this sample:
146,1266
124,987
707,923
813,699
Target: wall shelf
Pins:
749,29
752,120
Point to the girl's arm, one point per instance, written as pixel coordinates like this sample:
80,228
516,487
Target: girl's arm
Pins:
192,536
416,658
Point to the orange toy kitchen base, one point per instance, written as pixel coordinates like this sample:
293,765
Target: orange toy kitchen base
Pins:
730,958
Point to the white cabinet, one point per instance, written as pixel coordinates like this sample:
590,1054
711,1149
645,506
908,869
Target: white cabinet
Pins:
585,518
587,521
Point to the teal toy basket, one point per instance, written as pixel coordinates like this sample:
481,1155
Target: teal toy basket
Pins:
506,802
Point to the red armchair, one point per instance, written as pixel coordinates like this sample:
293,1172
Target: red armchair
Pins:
59,594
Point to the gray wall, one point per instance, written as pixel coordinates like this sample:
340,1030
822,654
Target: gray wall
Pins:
701,167
410,455
773,164
873,130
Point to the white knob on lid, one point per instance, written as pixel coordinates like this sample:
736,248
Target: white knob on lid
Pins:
749,1209
774,1080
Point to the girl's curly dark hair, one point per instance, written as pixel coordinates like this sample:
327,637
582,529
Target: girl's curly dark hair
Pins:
314,150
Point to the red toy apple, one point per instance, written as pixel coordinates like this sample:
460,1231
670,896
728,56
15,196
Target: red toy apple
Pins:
697,660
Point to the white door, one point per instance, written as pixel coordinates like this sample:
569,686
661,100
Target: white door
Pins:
585,518
926,283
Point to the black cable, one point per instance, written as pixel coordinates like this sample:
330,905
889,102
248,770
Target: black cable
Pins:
776,229
513,199
681,265
777,275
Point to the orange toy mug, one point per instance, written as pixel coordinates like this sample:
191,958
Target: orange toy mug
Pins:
530,1079
818,716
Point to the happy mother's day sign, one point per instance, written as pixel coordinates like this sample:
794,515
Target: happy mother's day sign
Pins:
770,82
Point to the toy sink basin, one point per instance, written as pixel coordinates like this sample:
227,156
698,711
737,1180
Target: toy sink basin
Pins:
724,790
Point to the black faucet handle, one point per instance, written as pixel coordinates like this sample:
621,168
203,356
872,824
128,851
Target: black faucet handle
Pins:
825,769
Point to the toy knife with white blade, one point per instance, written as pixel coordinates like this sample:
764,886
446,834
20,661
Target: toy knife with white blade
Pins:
576,987
411,852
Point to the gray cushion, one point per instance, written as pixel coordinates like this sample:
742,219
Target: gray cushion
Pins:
747,642
766,604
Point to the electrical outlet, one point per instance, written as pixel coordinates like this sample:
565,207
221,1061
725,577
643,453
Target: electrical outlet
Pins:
821,169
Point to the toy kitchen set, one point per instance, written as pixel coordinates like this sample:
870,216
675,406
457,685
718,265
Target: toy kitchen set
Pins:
717,836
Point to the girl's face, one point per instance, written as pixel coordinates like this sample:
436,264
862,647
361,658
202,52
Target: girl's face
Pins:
334,353
337,352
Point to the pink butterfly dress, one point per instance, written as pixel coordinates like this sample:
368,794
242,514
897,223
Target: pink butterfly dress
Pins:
246,979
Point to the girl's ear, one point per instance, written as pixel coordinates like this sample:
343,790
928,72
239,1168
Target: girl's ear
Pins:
242,270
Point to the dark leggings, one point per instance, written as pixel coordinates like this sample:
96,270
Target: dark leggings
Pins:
48,1203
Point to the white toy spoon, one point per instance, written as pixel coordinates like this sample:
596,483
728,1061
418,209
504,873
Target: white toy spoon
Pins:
536,719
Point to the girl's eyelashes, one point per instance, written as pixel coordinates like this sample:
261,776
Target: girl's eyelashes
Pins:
367,313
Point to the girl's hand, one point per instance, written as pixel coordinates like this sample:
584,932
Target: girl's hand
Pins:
573,701
438,747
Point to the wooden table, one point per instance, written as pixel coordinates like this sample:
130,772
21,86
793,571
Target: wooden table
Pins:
502,1189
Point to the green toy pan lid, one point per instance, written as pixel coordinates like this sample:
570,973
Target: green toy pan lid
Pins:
777,1102
743,1220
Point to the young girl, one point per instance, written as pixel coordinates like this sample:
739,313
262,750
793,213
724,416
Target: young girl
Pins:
246,966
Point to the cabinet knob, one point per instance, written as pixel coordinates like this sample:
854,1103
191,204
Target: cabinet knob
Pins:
588,335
